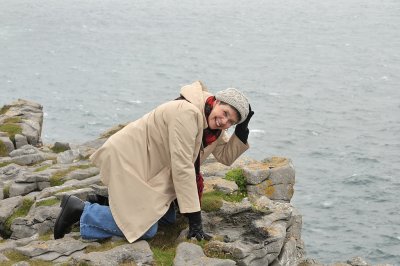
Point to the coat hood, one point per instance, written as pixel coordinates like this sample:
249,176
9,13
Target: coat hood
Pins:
197,94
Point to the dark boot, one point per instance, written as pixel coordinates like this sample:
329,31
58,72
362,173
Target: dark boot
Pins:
72,208
99,199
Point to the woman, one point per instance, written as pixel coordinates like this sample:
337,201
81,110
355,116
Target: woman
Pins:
155,160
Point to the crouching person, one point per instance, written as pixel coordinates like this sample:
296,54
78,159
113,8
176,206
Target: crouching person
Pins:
155,160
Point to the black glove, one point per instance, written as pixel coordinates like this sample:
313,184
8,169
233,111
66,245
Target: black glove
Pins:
242,130
196,227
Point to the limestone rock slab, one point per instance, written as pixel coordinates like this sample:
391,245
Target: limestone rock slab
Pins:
191,254
138,252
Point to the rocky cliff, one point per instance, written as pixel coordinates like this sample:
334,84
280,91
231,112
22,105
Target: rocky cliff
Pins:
246,207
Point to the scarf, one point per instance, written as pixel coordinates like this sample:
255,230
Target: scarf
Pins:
209,136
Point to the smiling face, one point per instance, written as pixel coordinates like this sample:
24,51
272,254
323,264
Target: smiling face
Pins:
222,116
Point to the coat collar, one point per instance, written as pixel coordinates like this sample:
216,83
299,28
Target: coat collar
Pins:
197,94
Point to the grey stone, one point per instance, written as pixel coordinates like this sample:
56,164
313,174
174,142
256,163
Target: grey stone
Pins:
17,189
8,143
31,132
57,248
191,254
255,176
70,184
8,206
11,171
5,160
100,190
39,220
26,104
43,176
288,254
357,261
310,262
28,159
3,258
80,174
138,252
61,146
67,157
81,193
20,140
25,150
230,208
21,263
88,148
295,225
274,178
226,186
42,185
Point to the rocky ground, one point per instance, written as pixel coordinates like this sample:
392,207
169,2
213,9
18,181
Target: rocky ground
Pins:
246,207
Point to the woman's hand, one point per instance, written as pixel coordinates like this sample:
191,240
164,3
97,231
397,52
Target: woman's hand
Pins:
242,130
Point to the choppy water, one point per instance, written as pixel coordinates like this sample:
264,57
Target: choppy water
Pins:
323,78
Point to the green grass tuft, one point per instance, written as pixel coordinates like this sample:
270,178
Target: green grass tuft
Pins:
212,201
4,109
20,212
3,150
11,130
49,202
5,164
112,131
15,256
237,176
164,257
163,244
105,245
13,120
59,149
6,191
57,178
42,168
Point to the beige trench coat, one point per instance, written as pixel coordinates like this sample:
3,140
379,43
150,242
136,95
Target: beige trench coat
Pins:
150,162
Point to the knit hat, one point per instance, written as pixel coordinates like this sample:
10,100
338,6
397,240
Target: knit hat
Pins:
236,99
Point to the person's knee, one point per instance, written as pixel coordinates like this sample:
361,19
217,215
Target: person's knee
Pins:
151,232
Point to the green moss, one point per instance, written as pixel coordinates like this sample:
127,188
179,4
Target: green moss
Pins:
4,109
217,253
212,201
13,120
6,191
163,244
3,150
47,236
58,149
237,176
105,245
49,202
164,257
20,212
112,131
11,130
42,168
5,164
15,257
57,178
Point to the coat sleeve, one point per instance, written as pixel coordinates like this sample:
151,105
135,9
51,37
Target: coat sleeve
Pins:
183,130
229,149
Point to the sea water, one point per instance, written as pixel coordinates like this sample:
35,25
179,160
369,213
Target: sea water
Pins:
323,79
